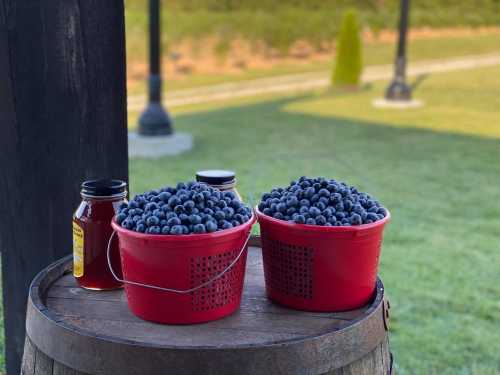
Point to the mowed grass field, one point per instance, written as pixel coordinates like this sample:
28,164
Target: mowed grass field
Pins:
436,168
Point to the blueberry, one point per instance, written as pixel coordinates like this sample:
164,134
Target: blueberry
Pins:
371,216
171,215
194,219
328,212
300,219
210,226
278,215
136,219
355,219
154,230
320,205
292,201
151,206
222,204
164,197
261,206
311,221
189,205
229,212
152,221
281,207
199,197
382,211
140,227
340,215
174,201
324,200
315,198
314,211
373,209
266,196
159,214
305,184
339,207
290,211
179,209
173,221
348,205
227,225
332,220
219,215
122,206
309,192
133,204
304,203
120,217
199,228
267,211
320,220
324,193
304,210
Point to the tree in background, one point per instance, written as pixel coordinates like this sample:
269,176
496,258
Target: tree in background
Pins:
348,65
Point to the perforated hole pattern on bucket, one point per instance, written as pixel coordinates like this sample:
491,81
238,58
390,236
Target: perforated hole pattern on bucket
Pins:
289,268
222,291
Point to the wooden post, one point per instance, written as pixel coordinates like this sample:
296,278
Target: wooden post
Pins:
63,119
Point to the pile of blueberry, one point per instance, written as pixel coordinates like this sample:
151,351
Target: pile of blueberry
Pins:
188,208
318,201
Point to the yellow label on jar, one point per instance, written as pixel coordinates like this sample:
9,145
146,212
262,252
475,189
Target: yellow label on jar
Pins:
78,255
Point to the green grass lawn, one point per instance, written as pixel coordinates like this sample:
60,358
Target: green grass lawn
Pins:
436,168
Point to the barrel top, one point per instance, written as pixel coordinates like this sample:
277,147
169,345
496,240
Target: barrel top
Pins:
57,306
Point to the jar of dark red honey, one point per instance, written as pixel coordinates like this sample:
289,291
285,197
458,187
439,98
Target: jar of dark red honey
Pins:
91,233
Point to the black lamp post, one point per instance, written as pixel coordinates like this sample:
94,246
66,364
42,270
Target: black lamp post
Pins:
155,119
399,89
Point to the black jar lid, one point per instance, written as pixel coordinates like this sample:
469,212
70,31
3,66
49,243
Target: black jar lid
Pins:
104,188
216,177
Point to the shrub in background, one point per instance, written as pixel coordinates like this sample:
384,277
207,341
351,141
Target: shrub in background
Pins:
348,64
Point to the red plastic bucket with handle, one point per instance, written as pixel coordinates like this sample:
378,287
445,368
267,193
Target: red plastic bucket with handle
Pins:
317,268
184,279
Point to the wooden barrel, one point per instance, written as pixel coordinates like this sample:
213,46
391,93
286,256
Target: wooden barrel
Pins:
76,331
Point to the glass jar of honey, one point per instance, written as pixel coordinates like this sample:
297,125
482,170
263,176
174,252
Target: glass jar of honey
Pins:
92,230
222,180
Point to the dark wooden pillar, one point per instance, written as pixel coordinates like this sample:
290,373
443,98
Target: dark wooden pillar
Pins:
63,119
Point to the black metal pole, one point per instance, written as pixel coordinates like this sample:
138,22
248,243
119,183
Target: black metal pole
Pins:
155,119
399,89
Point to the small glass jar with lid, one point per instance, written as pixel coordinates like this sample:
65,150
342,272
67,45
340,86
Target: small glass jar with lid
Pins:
92,229
219,179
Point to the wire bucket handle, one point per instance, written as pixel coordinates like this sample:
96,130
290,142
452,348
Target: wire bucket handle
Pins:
179,291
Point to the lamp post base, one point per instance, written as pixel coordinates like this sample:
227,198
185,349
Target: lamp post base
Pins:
398,90
155,121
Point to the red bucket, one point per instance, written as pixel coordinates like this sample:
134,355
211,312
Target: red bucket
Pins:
184,279
317,268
